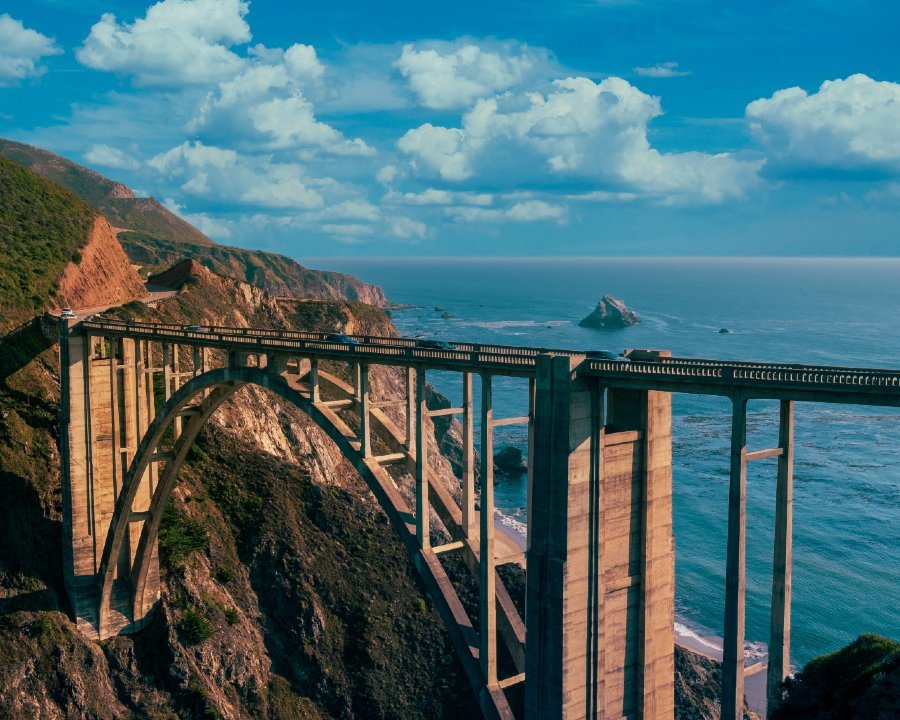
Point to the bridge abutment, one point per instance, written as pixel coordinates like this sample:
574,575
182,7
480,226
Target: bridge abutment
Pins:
600,604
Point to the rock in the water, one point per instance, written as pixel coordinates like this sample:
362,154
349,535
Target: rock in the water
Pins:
724,331
446,315
509,461
610,313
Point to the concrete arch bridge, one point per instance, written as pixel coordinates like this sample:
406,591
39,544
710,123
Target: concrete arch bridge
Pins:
597,637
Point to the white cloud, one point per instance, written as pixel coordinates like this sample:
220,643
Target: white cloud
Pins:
405,228
434,196
446,75
224,176
851,124
21,49
265,107
111,157
662,70
347,229
215,228
579,131
387,174
526,211
177,43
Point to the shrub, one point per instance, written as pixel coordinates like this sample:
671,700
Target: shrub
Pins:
195,628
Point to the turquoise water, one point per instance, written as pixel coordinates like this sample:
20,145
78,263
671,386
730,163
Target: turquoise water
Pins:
847,458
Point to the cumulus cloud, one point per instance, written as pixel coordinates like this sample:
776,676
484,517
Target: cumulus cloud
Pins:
404,228
177,43
21,50
526,211
446,75
111,157
222,175
851,124
579,131
662,70
265,106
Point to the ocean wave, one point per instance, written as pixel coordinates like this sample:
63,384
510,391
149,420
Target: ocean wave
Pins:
503,324
516,526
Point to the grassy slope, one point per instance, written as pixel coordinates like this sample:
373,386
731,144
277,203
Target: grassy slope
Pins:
111,198
42,227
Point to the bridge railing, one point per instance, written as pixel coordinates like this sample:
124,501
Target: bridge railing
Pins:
740,373
668,371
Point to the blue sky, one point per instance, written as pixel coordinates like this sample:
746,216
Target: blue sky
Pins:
604,127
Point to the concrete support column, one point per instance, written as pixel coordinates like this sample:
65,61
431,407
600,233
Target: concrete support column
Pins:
365,434
357,382
410,408
780,627
486,574
423,530
735,569
600,597
530,477
314,380
468,460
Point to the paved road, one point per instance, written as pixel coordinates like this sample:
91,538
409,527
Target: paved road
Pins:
155,294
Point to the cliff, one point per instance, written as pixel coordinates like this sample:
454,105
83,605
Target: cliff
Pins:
102,275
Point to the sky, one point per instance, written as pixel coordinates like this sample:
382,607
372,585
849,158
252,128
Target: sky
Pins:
573,127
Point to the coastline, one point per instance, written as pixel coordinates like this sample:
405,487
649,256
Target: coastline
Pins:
697,641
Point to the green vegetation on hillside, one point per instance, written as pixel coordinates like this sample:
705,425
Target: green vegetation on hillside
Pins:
114,201
42,227
858,682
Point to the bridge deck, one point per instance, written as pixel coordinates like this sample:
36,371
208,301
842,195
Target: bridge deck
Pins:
752,380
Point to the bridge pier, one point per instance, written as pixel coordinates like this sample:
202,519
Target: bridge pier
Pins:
600,583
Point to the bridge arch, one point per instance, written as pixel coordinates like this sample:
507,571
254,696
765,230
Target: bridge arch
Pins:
201,397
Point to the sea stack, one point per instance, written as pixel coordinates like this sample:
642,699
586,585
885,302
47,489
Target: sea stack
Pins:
610,313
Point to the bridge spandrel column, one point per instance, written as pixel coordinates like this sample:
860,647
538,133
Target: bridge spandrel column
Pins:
600,605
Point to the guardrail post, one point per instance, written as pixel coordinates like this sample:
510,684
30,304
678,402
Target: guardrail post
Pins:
365,436
780,626
488,608
735,569
468,460
423,531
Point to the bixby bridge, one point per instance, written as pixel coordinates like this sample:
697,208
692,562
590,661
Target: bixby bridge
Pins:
597,638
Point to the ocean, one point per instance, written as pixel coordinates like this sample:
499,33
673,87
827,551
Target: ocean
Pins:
846,577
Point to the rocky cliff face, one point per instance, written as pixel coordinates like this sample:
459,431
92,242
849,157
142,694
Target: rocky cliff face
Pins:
101,273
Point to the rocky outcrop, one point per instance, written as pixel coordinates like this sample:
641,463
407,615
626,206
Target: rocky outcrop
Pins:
698,687
610,313
101,273
509,461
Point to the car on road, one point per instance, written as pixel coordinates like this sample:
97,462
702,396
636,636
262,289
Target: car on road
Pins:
605,355
195,328
67,314
435,345
341,338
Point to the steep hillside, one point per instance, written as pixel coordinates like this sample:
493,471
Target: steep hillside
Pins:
154,237
114,200
277,274
54,250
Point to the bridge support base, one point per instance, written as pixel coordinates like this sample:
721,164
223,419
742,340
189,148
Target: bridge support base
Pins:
600,602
